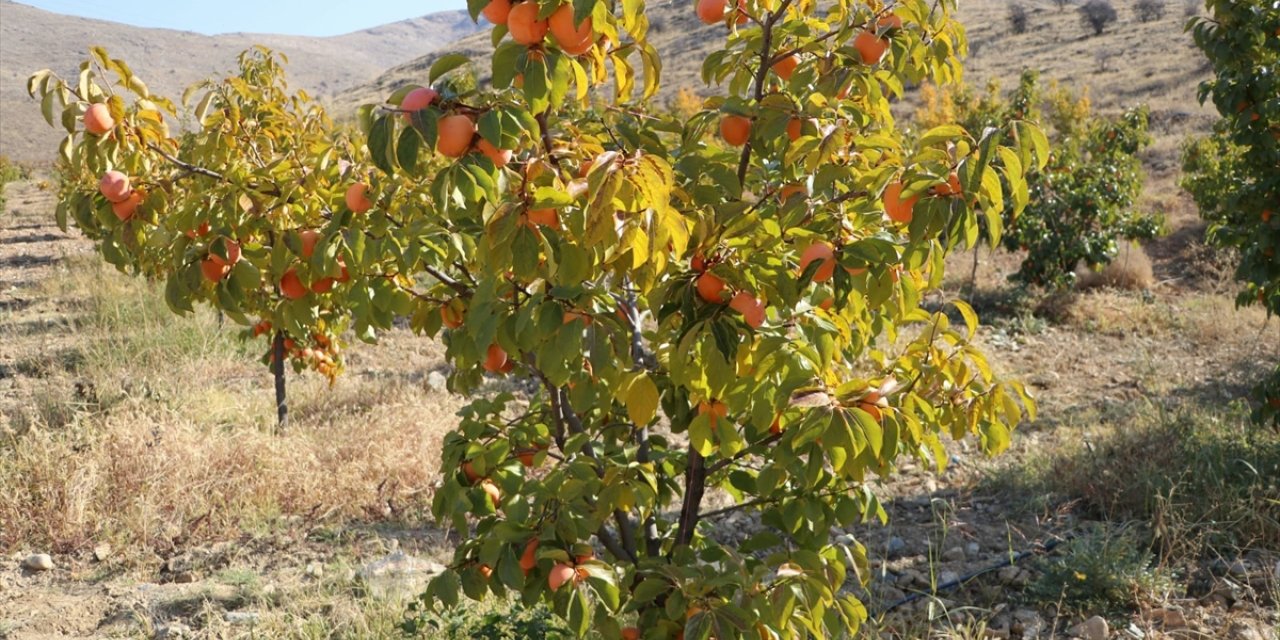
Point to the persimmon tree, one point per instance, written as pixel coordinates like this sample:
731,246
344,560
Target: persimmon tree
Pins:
246,212
1234,174
720,313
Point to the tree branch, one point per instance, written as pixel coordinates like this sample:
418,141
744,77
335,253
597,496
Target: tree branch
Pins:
186,166
744,453
765,63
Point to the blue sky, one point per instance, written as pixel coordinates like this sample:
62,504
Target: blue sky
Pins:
311,18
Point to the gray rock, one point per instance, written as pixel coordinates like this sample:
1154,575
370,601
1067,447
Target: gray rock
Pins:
1238,569
1009,574
398,572
437,382
38,562
948,577
954,554
185,577
972,549
1095,628
102,552
247,618
1026,623
896,547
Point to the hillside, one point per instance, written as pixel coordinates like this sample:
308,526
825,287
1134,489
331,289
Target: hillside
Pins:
169,60
1131,62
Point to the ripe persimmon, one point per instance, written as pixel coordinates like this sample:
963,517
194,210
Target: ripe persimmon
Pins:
786,66
357,198
698,262
198,232
899,210
98,120
323,285
573,39
344,275
560,574
309,238
214,270
492,490
630,633
712,11
451,316
714,410
127,207
735,129
291,285
795,188
233,253
114,186
417,100
496,11
819,251
710,288
751,308
950,188
870,46
455,132
524,25
500,157
544,217
529,559
889,21
570,316
495,359
486,571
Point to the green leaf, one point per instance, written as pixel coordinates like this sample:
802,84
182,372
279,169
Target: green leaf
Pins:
407,150
381,148
446,63
642,400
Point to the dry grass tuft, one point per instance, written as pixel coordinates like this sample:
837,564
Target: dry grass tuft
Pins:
1131,271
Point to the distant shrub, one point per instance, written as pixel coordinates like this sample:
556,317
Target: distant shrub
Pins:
1097,14
1191,8
1018,18
1149,10
1062,4
515,622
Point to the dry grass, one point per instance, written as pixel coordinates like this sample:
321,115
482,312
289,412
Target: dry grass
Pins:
148,430
1130,270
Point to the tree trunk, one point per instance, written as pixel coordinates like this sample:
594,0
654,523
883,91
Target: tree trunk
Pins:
277,370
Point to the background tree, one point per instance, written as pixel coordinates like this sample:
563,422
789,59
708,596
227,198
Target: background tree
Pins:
1080,205
1097,15
1018,18
1234,175
725,305
1149,10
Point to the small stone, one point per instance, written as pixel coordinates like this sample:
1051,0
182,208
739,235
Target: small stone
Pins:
241,617
948,577
38,562
1027,623
1238,569
315,570
437,382
972,549
1243,631
1169,618
174,630
102,552
1094,628
1134,632
954,554
185,577
896,547
1009,574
